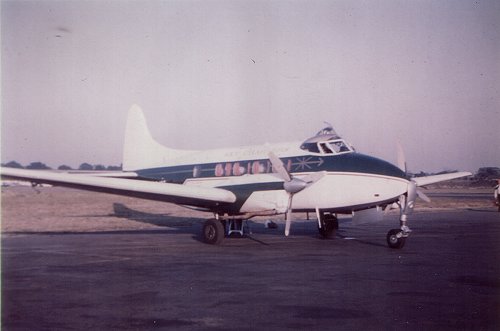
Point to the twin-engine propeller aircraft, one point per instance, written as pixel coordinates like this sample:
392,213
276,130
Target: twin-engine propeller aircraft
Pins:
323,174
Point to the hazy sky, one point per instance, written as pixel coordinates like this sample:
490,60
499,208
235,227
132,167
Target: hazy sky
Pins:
212,74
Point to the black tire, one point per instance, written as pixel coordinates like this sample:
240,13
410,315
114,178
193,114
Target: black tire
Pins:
393,241
329,226
213,232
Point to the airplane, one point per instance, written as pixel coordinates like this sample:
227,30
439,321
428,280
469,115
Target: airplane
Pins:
323,174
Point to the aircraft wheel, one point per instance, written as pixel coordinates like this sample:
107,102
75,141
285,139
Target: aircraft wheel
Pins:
329,226
213,232
393,241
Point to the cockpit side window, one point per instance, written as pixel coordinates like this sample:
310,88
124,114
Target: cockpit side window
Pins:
310,147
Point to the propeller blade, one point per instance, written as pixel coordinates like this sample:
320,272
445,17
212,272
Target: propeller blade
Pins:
412,196
288,217
412,191
313,177
288,222
279,167
423,196
401,157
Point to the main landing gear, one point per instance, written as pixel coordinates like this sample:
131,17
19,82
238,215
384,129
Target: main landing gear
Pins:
214,230
327,225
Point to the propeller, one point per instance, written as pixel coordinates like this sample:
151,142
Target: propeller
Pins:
292,185
407,202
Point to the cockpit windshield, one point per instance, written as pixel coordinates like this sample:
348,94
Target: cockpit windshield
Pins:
339,146
326,141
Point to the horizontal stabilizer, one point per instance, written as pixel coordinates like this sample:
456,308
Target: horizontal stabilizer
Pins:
427,180
205,197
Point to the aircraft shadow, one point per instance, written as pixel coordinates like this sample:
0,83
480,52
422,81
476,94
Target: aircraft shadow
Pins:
193,226
165,220
256,231
484,210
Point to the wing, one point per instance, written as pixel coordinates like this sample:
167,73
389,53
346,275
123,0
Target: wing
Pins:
427,180
204,197
104,173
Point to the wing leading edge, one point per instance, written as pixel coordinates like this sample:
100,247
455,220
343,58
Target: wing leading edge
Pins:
427,180
181,194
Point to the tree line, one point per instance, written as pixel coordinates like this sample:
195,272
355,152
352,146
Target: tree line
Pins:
42,166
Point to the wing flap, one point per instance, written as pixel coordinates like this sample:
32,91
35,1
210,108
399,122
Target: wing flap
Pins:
427,180
205,197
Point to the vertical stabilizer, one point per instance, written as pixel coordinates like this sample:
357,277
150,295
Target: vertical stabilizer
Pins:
140,150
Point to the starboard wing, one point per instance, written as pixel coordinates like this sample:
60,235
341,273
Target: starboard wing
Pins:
204,197
427,180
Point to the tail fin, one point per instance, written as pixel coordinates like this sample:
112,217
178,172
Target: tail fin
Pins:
140,150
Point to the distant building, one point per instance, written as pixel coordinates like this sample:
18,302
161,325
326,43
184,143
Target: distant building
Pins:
488,173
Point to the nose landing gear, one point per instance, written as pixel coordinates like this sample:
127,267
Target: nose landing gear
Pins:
396,238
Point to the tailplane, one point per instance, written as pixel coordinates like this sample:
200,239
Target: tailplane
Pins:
141,150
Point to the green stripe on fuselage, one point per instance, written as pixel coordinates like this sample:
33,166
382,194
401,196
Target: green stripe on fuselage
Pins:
349,162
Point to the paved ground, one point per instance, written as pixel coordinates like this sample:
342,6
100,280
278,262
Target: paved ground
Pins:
447,277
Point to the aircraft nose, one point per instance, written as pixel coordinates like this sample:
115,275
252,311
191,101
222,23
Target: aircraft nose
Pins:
368,164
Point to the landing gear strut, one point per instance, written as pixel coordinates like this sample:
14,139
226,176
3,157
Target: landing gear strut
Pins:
235,228
327,225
